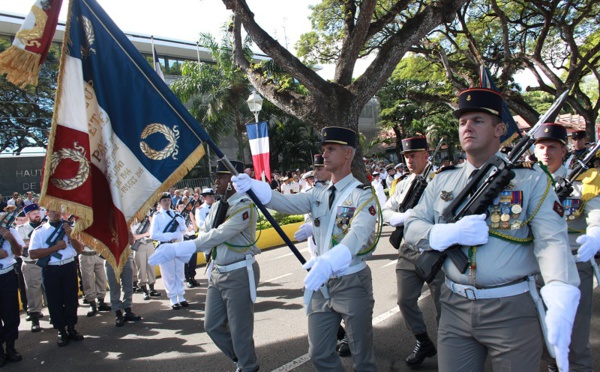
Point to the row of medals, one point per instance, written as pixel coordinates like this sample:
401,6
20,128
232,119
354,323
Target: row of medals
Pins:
501,216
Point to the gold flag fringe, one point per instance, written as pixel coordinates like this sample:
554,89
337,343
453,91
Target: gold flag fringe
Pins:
102,249
20,66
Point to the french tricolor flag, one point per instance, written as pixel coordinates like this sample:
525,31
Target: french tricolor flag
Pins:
258,135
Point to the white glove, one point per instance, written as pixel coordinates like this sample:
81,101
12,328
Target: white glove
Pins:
397,219
334,261
470,230
304,232
185,250
165,253
242,183
562,300
590,244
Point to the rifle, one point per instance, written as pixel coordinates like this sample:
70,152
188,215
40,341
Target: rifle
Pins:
220,216
142,229
7,221
413,195
57,235
172,225
478,195
564,187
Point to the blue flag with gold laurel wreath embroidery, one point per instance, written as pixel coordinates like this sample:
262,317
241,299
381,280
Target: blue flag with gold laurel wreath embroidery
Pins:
119,135
512,129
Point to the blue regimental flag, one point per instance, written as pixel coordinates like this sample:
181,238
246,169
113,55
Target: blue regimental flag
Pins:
512,129
119,135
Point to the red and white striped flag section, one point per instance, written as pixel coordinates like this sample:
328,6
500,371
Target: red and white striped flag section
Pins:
258,136
22,61
119,135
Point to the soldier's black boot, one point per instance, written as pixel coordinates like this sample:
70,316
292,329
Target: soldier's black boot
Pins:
73,334
144,289
119,320
93,309
423,349
2,356
103,306
153,292
11,354
63,338
130,316
35,325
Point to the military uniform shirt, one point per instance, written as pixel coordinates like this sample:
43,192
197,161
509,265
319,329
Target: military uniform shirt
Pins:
355,217
160,220
38,241
578,213
500,261
235,237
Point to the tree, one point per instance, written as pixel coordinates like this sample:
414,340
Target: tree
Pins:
555,41
292,143
383,29
411,105
217,93
26,114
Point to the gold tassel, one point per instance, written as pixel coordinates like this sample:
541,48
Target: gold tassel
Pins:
20,66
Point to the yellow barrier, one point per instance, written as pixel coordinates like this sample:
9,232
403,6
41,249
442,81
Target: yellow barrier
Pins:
269,238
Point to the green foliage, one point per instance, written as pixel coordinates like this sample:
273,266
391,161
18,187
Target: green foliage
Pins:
216,93
292,143
26,114
280,218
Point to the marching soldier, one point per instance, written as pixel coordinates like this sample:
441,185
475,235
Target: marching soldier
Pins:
582,212
60,274
344,225
11,247
579,148
168,227
488,309
409,283
233,271
32,273
146,274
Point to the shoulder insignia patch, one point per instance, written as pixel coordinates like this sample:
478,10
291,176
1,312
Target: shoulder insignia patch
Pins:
558,208
445,168
372,210
245,216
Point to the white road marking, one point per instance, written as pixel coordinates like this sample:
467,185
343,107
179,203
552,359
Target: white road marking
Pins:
274,279
389,264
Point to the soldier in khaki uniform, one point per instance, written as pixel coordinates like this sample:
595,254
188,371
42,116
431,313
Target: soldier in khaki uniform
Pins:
409,283
233,271
582,212
338,285
488,310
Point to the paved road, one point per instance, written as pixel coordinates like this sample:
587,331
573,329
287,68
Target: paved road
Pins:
167,340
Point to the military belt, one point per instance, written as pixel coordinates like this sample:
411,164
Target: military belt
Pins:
472,293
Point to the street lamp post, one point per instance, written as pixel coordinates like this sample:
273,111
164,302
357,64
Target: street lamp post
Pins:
255,102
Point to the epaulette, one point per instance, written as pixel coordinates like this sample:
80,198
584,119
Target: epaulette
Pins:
525,165
364,187
403,176
38,227
155,213
444,168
